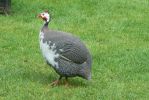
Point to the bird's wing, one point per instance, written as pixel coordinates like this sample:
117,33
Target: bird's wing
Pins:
74,52
69,47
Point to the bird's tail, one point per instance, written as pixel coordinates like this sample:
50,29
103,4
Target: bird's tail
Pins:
89,61
85,72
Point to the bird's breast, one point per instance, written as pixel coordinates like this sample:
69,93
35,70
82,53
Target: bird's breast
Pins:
48,50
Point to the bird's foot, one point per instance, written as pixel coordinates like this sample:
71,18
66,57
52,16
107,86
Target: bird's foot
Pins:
55,83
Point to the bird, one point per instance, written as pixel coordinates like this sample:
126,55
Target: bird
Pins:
64,52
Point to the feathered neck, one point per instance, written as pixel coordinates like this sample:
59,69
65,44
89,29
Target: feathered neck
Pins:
45,26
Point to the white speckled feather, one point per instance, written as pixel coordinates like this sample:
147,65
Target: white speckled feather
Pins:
48,51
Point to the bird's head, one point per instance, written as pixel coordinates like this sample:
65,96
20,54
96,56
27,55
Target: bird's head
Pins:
45,16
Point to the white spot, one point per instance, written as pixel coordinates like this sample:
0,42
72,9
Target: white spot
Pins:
61,50
48,52
53,46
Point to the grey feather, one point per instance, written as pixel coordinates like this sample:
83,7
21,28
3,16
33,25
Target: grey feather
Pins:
74,59
72,48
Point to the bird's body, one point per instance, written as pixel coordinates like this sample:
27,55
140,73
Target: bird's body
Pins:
65,53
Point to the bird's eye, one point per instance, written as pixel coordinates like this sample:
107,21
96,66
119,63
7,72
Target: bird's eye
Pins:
43,14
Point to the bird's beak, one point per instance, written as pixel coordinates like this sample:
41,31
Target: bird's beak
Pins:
39,16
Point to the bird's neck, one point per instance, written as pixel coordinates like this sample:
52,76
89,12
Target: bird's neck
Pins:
45,26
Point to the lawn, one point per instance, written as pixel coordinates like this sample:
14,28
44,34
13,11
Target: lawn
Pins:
115,31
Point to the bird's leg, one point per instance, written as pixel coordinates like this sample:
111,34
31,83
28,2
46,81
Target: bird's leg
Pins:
66,81
56,82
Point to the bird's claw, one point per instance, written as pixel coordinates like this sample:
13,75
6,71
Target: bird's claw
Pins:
55,83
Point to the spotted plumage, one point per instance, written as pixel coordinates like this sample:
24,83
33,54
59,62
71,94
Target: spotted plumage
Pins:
64,52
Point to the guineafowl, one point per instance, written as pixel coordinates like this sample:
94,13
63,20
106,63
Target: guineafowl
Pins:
65,53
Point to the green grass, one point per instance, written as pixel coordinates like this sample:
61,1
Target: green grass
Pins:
115,31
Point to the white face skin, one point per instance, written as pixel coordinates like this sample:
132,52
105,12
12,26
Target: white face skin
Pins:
45,16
